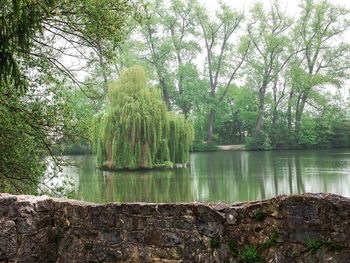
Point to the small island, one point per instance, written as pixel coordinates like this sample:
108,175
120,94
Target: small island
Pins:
136,130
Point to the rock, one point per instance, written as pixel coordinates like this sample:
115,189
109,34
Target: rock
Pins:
38,246
8,240
232,217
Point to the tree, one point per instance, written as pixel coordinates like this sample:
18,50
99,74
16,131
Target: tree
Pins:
325,56
237,115
221,66
165,42
136,130
33,113
180,28
157,48
269,53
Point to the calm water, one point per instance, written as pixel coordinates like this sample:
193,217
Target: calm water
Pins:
220,176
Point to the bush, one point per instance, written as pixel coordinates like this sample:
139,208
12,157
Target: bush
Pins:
341,134
204,147
260,141
282,138
314,133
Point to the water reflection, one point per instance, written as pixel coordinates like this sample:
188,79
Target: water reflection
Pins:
220,176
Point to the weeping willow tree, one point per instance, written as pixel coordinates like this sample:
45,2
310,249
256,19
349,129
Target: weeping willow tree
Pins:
136,130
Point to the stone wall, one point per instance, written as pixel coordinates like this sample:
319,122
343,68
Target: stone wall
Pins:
302,228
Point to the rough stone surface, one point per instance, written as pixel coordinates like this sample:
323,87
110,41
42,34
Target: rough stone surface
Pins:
300,228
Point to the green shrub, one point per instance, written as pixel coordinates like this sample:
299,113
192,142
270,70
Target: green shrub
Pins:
260,141
204,147
340,134
313,245
282,138
249,254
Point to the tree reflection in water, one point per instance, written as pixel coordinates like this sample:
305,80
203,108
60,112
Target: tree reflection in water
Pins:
219,176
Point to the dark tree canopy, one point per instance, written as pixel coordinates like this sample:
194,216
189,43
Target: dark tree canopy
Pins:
33,113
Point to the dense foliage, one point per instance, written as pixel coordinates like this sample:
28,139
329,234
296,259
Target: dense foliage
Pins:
136,130
33,111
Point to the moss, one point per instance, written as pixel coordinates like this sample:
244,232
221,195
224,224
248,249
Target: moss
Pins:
232,247
214,243
295,253
61,229
332,246
272,240
260,216
60,233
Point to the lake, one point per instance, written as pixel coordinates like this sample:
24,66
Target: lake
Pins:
218,176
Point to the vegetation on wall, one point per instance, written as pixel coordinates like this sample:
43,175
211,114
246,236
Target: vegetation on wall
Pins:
136,130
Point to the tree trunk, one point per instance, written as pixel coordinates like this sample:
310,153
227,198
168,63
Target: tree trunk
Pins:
211,126
185,112
289,110
103,69
104,75
299,112
274,116
165,92
275,104
290,176
260,120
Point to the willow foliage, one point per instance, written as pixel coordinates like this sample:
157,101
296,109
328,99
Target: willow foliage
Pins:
136,130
